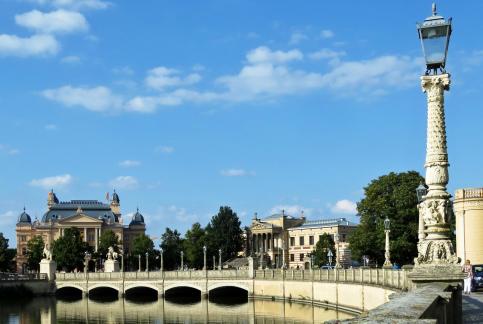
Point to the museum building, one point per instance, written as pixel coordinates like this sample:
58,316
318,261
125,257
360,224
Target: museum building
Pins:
91,217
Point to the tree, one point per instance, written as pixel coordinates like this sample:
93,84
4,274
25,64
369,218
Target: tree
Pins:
5,256
69,250
172,245
322,247
35,252
224,232
392,195
107,239
193,243
142,244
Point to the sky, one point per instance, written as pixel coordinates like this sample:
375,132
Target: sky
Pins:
185,106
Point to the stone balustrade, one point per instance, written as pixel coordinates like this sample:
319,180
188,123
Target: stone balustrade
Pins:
469,193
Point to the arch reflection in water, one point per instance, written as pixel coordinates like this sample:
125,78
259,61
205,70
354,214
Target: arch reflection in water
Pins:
183,295
49,311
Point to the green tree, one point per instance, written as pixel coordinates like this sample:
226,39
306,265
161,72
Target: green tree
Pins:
322,248
224,232
69,250
142,244
107,239
392,195
35,252
172,245
193,243
5,256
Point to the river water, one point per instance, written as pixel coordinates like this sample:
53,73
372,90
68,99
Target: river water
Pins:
85,310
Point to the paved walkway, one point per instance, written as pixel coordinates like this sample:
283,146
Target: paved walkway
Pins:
473,308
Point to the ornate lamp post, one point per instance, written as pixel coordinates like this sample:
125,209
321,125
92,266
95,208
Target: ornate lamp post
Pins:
161,252
330,255
204,257
182,263
337,257
147,261
436,248
421,192
121,253
387,253
219,259
139,262
214,263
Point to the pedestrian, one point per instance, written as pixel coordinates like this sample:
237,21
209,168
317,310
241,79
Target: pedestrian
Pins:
468,270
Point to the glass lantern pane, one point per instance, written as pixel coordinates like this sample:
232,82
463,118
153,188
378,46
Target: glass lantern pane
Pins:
434,42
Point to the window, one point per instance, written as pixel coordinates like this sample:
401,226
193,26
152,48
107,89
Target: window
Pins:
292,257
23,238
301,240
24,251
343,237
311,240
292,241
302,257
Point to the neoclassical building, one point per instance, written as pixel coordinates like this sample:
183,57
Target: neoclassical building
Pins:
468,208
91,217
284,240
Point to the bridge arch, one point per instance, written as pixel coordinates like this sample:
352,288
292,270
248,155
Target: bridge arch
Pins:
182,285
141,285
239,285
103,285
60,286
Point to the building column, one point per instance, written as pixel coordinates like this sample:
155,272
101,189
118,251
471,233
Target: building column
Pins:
85,234
97,239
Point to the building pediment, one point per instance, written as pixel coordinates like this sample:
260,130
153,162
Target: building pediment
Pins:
79,218
261,226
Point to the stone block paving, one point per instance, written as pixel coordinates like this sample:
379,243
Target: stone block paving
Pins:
473,308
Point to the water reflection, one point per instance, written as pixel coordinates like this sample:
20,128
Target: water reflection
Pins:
51,310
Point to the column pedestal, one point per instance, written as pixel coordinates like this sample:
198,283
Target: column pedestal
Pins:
48,267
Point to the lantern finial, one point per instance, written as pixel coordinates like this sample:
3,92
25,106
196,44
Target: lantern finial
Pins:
433,7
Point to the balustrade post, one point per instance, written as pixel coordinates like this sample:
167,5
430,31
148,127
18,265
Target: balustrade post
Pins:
362,275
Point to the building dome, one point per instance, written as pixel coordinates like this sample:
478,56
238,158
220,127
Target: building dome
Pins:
24,218
115,198
137,218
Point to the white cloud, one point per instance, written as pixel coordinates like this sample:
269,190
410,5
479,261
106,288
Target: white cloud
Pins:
8,218
182,214
71,59
59,21
165,149
98,99
162,77
297,37
124,182
264,54
52,182
326,53
36,45
292,210
345,206
9,150
123,70
74,4
326,33
236,173
129,163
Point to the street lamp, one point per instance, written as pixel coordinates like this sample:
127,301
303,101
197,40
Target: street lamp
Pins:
147,261
121,252
139,262
204,257
387,255
219,259
434,34
161,251
182,263
337,258
330,255
435,248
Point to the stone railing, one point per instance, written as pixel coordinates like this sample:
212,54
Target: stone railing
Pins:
396,279
380,277
7,276
469,193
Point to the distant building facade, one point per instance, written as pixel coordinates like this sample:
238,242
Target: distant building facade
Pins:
91,217
281,240
468,209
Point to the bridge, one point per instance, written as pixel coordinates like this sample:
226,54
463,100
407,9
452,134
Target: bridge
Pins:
354,290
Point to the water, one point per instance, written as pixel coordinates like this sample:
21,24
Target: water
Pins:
86,310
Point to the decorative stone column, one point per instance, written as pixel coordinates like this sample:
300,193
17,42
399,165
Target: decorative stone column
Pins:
436,260
387,253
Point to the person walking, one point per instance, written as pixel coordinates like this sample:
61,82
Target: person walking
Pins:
468,270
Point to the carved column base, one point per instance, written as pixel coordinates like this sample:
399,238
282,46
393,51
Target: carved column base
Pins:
435,253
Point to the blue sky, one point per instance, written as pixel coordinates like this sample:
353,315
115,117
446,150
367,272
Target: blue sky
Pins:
259,105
